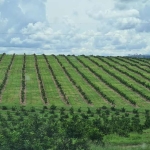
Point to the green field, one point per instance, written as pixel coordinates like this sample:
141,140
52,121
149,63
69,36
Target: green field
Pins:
77,86
84,81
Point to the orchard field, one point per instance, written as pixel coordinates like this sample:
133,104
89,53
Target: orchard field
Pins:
78,81
74,102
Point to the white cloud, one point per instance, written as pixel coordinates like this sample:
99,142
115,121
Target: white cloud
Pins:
127,23
3,22
32,28
1,2
16,41
112,14
117,27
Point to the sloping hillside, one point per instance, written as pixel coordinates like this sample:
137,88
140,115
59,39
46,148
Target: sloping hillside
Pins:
79,81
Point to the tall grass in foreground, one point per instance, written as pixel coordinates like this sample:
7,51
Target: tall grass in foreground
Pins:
125,147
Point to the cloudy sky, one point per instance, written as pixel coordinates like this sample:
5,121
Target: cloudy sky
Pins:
90,27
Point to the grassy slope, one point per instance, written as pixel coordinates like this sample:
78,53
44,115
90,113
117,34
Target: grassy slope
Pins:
11,93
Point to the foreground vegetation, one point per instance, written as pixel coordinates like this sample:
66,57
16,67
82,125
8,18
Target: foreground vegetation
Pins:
59,128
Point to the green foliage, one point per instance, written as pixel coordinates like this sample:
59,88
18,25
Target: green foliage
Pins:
45,107
13,108
22,108
104,107
79,110
32,109
135,111
30,130
89,111
4,107
98,110
113,108
123,109
53,107
71,110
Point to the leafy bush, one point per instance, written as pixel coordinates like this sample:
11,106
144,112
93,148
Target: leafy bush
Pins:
4,108
53,107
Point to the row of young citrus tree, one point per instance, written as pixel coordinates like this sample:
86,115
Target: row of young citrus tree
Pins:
58,128
23,80
43,93
2,85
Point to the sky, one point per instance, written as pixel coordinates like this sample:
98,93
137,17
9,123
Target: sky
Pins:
75,27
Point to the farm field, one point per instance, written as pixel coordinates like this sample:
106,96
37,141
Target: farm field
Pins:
78,81
88,100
